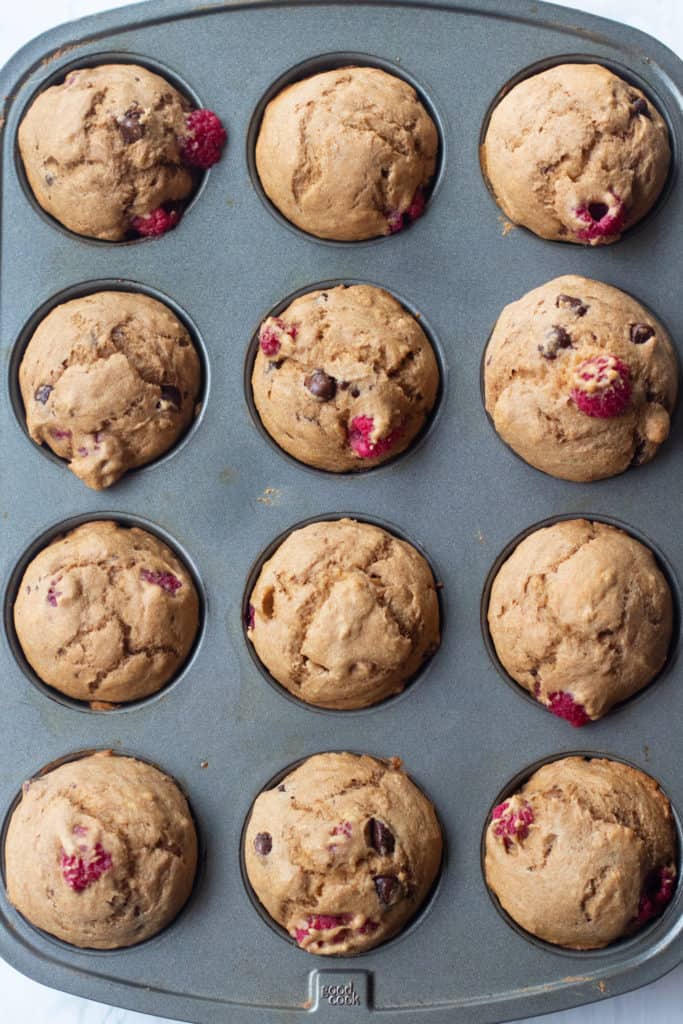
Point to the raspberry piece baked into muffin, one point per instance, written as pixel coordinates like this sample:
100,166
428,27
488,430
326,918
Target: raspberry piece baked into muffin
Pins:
344,378
576,154
101,852
584,854
580,379
347,154
114,151
106,613
343,614
109,381
343,852
581,616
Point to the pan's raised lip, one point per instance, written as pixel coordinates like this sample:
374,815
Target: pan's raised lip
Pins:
593,31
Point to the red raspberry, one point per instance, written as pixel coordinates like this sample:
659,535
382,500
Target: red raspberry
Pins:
602,220
205,138
269,335
250,616
60,435
512,824
53,593
79,874
564,706
657,892
396,219
344,828
166,580
321,923
156,223
359,438
417,205
602,386
369,927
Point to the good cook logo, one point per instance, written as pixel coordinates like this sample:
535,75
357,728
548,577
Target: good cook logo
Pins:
340,995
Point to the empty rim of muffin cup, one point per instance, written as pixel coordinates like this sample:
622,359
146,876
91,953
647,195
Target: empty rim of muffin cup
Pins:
56,532
255,571
663,565
643,935
657,99
69,947
433,416
674,415
92,61
79,291
412,924
331,62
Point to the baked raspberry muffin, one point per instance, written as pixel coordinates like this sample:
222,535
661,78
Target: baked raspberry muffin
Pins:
581,616
343,614
113,152
101,852
109,381
347,154
345,378
580,379
343,852
576,154
106,613
584,854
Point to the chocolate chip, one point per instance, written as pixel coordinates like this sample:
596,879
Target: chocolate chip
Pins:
556,338
355,392
274,364
43,393
49,179
598,210
281,788
171,394
640,107
343,385
118,333
571,302
321,385
380,837
638,453
129,125
263,843
388,888
640,333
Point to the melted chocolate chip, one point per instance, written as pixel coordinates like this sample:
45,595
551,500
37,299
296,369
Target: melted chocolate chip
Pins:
640,107
281,788
343,385
43,393
598,210
129,125
274,364
640,333
380,837
556,338
571,302
263,843
321,385
171,394
388,888
49,179
355,392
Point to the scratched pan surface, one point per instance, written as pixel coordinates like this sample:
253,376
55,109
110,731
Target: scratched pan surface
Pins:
227,492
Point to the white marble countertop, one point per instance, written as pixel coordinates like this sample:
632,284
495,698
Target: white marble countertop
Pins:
25,1002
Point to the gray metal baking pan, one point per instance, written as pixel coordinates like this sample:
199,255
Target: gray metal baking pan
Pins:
225,493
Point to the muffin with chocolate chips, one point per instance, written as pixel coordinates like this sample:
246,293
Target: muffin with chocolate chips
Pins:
109,381
343,614
345,378
584,854
343,852
581,616
580,379
101,852
106,614
576,154
114,151
347,154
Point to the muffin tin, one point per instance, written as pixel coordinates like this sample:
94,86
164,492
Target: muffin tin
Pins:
225,493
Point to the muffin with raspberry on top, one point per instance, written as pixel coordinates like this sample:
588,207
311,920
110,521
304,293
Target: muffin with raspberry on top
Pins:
344,378
580,380
115,151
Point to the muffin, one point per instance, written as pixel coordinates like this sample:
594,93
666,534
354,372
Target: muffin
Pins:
580,379
109,381
347,154
343,852
584,854
581,616
101,852
345,378
576,154
106,613
114,151
343,614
